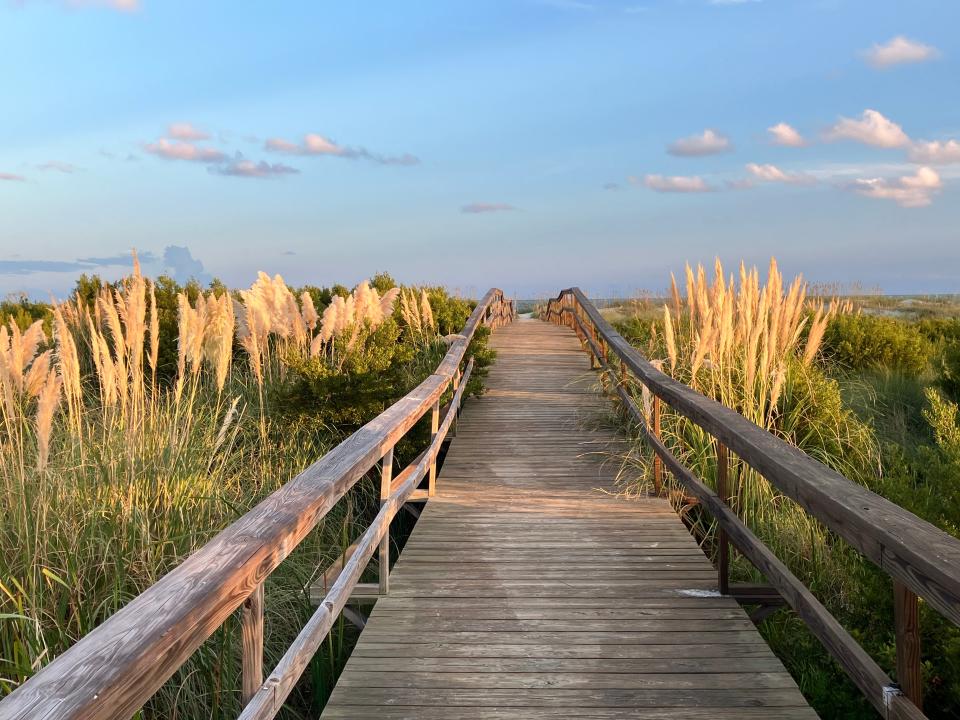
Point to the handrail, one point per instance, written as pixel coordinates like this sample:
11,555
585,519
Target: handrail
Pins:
921,558
117,667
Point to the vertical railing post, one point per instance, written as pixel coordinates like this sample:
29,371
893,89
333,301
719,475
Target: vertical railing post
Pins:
251,641
383,557
456,410
723,490
657,462
906,618
434,427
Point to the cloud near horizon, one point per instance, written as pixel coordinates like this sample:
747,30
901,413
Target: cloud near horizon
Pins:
181,150
318,145
177,262
186,131
710,142
771,173
58,166
871,129
486,207
899,51
909,191
11,177
785,135
674,183
241,167
935,153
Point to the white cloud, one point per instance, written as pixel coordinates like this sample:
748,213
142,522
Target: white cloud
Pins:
175,150
909,191
314,144
732,2
485,207
186,131
935,153
786,135
899,51
675,183
10,177
871,129
710,142
771,173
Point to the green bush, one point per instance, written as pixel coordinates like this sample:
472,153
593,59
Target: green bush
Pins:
948,367
861,342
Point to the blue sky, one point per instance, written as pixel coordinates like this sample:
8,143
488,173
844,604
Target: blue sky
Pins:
530,144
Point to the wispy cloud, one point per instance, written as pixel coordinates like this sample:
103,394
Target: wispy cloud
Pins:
10,177
935,152
675,183
899,51
771,173
241,167
486,207
871,129
127,6
732,2
30,267
57,166
611,186
180,150
186,131
710,142
909,191
786,135
318,145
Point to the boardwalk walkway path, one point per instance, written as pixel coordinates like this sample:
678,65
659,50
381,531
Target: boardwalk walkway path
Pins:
528,589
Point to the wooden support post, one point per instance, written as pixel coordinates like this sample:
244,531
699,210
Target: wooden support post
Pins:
434,427
657,462
456,411
723,490
906,617
386,477
251,640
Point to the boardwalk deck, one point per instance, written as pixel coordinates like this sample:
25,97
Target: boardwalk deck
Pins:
529,590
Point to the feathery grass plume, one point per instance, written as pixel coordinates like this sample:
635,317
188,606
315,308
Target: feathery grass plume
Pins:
69,365
387,302
37,374
670,338
308,311
154,335
47,401
410,311
218,336
675,295
426,311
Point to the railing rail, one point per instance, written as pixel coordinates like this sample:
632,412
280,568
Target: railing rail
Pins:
112,671
922,560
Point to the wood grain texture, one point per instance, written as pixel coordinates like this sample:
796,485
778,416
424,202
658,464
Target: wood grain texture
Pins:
530,589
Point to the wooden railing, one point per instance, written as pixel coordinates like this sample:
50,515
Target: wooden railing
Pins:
922,560
115,669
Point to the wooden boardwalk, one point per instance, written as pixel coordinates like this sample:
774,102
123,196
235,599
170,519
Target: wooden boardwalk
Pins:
529,589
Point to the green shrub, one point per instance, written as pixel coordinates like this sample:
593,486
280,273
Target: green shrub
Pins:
860,342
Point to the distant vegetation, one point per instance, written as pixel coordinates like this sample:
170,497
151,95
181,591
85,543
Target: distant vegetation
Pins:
139,418
868,386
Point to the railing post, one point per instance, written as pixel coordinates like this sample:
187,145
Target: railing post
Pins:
456,410
657,462
723,490
906,618
434,427
386,478
251,641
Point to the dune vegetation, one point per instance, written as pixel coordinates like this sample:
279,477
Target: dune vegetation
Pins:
139,418
872,397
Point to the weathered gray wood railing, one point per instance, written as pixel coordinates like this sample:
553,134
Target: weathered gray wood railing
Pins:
922,560
113,671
